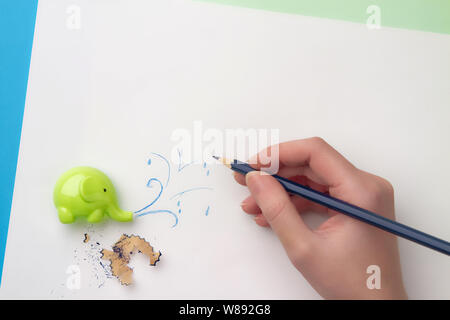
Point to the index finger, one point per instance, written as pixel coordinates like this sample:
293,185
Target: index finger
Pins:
315,153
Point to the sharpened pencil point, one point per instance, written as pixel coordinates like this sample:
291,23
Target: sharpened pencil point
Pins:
224,161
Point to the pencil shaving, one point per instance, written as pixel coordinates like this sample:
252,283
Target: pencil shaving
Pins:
121,255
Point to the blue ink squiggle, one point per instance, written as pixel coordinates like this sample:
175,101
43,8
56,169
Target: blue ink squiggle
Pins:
143,212
179,194
166,161
180,166
149,184
160,211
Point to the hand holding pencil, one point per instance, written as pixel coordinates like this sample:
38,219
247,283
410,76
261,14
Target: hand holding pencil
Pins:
335,256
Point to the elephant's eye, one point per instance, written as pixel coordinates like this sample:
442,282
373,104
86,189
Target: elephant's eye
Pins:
104,190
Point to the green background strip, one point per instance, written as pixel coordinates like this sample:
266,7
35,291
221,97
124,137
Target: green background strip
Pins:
424,15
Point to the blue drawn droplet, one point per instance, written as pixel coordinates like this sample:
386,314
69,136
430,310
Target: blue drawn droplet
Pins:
149,162
207,211
204,167
178,203
179,211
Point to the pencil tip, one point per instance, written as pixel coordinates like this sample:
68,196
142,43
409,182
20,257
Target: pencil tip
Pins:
224,161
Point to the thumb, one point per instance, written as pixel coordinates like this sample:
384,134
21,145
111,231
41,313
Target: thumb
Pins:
280,212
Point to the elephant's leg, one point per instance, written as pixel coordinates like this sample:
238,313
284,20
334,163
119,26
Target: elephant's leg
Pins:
96,216
65,216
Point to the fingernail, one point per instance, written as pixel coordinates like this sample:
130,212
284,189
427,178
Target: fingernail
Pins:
258,219
256,173
249,176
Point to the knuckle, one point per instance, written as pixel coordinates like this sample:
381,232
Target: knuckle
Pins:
319,144
300,251
376,186
380,189
376,191
317,140
388,187
384,187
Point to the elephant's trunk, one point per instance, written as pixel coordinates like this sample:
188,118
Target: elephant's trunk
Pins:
117,214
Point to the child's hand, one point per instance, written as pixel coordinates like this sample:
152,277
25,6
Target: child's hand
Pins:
333,258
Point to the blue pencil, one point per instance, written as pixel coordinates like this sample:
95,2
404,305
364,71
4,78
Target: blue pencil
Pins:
350,210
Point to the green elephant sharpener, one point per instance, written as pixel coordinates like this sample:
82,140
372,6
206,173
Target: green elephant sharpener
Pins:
87,192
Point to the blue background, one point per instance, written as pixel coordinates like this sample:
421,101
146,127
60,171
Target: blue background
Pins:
17,21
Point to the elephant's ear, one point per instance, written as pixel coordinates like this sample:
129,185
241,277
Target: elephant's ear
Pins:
90,189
